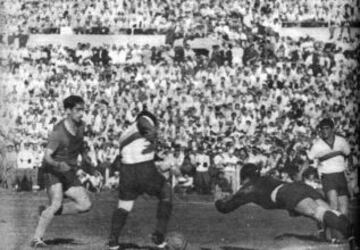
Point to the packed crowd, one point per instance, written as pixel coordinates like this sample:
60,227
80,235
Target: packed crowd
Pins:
255,96
263,98
158,16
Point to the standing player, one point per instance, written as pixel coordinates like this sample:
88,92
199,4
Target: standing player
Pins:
331,152
139,175
297,197
65,144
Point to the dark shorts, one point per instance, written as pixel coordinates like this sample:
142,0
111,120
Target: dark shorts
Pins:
335,181
136,179
291,194
67,180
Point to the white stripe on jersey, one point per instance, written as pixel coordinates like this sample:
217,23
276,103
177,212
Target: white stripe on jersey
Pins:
132,151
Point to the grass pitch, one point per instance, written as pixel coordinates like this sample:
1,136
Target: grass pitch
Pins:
248,228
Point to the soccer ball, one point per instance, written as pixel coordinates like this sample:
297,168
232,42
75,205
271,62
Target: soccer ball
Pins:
176,241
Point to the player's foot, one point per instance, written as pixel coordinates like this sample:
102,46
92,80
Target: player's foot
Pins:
159,240
38,243
41,209
113,246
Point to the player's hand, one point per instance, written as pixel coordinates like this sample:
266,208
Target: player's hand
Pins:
63,167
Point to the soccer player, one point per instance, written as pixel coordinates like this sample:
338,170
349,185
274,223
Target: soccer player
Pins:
297,197
331,151
139,175
65,144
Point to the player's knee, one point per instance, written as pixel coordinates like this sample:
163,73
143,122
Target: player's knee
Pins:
54,207
319,213
85,206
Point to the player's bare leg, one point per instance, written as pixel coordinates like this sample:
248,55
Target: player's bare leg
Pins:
332,198
323,231
329,217
80,201
343,204
55,193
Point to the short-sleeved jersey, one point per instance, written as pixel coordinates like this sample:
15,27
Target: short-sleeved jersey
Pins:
66,146
135,147
335,164
258,192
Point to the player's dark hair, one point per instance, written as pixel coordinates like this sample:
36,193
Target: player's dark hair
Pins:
147,114
249,170
71,101
326,122
310,171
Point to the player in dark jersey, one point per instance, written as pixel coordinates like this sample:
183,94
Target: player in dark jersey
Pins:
65,144
297,197
139,175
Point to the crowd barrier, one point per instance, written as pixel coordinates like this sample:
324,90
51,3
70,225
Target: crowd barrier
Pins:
151,31
95,40
71,40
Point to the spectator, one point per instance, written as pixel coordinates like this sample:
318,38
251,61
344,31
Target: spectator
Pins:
276,99
9,170
113,181
25,174
202,177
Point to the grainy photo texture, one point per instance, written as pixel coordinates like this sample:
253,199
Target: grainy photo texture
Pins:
179,124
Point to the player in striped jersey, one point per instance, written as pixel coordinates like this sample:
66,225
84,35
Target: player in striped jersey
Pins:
139,175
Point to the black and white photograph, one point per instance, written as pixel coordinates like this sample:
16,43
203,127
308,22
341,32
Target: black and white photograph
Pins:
179,124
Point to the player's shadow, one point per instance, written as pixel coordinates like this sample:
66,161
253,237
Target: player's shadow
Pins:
62,241
130,246
68,241
305,237
236,248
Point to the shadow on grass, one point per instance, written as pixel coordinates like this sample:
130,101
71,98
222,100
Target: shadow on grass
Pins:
63,241
73,242
130,246
306,237
237,248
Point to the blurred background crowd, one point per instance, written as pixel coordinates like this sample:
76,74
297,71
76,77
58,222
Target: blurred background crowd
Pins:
254,96
158,16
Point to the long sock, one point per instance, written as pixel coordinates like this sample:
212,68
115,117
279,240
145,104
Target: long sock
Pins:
117,223
339,222
46,217
163,214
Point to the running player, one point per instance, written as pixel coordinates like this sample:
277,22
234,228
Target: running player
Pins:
65,144
139,175
297,197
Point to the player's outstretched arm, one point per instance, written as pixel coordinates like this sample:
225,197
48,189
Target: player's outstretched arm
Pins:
243,196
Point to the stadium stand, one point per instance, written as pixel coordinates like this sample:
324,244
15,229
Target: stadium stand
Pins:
253,91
